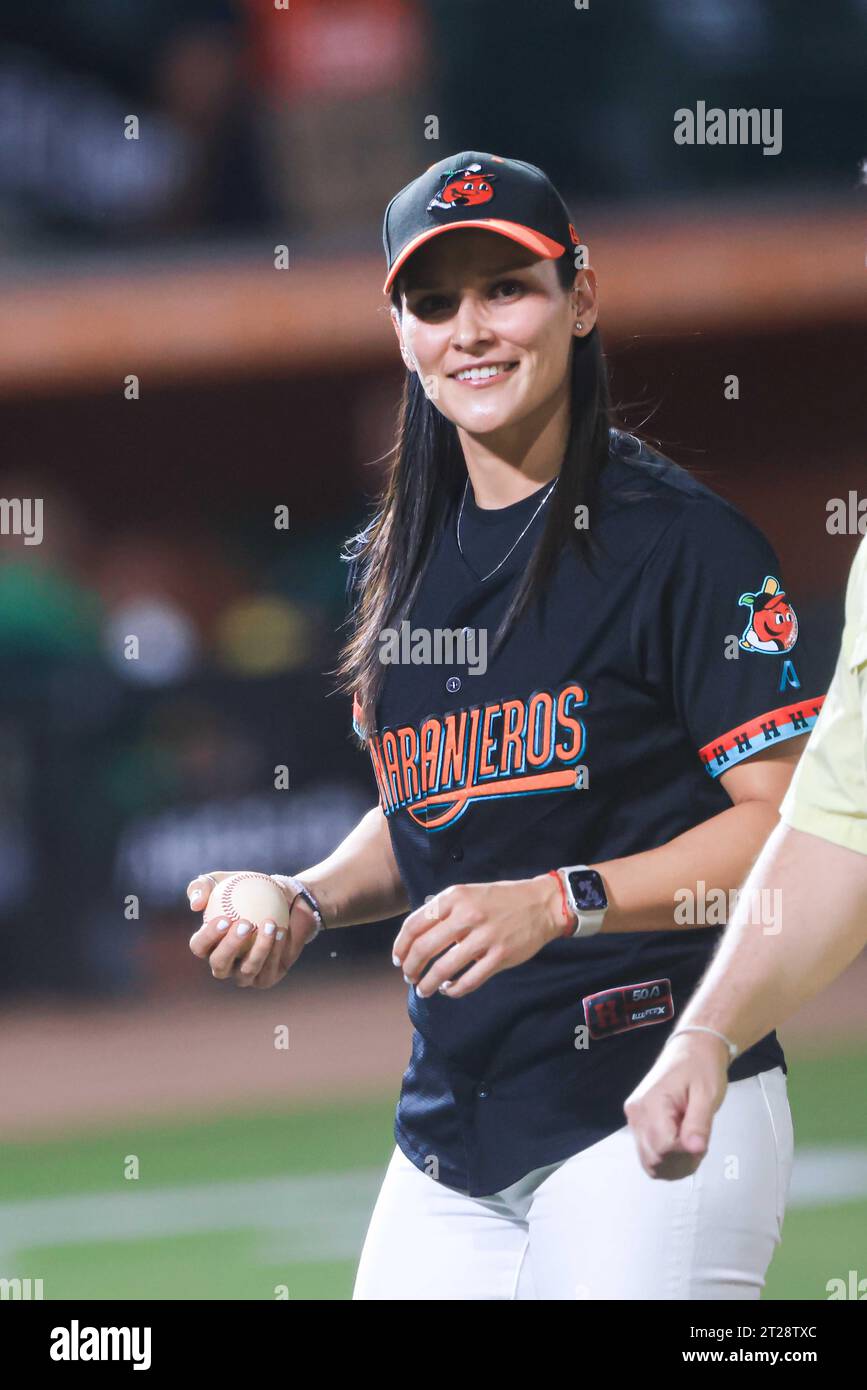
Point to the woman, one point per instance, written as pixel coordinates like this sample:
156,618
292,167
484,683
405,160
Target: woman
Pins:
558,810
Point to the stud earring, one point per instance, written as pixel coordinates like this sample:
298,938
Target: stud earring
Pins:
579,324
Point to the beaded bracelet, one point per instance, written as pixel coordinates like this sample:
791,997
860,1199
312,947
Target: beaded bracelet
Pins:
300,891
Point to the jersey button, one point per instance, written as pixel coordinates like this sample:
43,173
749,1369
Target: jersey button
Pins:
483,1091
457,853
453,684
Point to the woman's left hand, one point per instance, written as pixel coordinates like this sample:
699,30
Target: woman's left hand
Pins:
486,926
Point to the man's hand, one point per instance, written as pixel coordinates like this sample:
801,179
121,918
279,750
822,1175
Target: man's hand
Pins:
482,928
671,1111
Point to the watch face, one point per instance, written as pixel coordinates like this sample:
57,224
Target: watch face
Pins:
588,890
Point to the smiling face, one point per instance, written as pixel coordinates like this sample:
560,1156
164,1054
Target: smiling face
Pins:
489,328
776,622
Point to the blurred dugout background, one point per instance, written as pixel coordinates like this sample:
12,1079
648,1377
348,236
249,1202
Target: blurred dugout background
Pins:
154,257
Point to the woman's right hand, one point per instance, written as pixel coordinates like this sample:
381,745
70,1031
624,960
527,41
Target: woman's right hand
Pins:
250,958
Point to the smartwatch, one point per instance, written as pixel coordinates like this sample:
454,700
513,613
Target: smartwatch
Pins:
586,897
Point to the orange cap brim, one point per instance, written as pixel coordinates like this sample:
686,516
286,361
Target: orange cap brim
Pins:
525,236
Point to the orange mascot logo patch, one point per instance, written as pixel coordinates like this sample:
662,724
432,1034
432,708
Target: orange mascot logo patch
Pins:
464,188
773,625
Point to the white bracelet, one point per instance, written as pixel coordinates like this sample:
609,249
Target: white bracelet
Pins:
701,1028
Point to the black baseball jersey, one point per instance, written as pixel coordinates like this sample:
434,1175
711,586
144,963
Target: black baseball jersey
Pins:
599,730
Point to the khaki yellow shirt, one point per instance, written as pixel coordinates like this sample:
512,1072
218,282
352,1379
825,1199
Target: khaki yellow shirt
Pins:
828,794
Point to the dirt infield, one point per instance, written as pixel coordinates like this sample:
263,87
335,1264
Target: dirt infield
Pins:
66,1068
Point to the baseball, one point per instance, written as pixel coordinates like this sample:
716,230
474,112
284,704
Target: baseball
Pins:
254,897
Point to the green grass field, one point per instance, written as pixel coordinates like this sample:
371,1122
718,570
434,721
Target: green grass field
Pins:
246,1204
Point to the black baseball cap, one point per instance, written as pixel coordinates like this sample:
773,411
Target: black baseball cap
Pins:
477,190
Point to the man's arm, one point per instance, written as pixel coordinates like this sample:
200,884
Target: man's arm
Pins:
757,980
760,977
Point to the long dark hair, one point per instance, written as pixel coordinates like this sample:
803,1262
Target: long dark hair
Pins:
427,474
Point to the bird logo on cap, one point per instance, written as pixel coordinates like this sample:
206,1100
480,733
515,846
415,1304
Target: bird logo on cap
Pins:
463,188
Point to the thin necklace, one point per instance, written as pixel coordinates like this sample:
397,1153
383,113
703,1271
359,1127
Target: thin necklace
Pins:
523,533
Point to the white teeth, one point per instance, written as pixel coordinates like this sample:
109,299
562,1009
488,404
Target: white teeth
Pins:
482,373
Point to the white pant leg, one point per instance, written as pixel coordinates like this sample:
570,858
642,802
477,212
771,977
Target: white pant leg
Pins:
428,1241
600,1228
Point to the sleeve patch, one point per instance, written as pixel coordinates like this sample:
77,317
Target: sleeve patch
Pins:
759,733
773,624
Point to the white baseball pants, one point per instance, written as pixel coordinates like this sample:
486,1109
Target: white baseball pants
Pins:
595,1226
